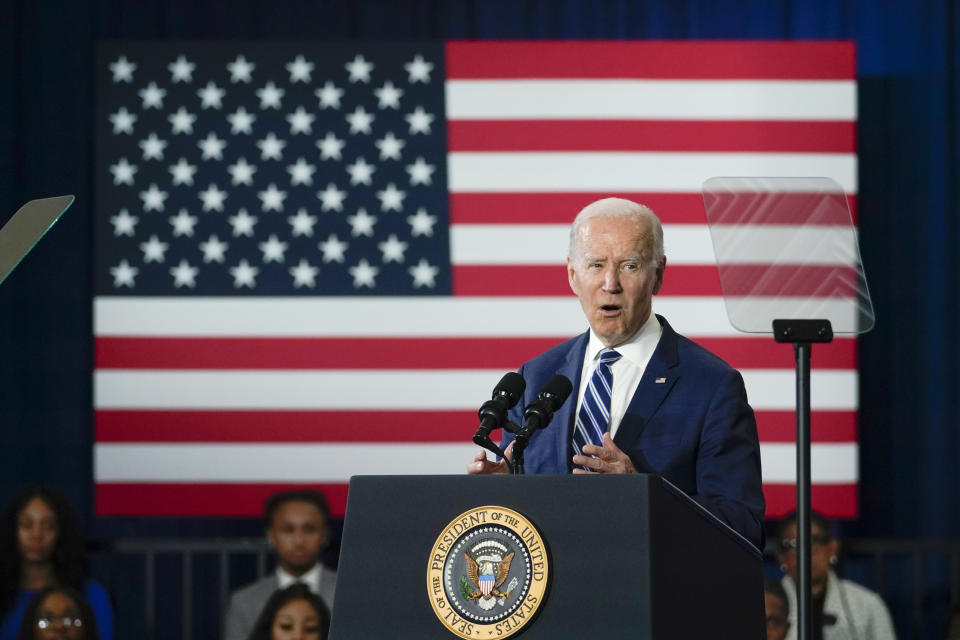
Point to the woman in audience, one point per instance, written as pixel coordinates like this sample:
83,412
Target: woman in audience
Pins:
58,613
840,609
40,547
294,613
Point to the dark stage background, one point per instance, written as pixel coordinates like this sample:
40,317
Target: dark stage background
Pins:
909,210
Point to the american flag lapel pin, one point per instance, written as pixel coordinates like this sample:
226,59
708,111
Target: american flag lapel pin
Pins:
660,381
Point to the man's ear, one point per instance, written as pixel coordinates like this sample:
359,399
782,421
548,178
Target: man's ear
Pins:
660,271
326,535
572,277
834,548
271,539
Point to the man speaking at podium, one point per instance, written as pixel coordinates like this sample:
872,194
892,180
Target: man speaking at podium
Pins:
648,399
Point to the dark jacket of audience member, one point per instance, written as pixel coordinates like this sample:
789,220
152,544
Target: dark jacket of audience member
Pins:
315,628
62,551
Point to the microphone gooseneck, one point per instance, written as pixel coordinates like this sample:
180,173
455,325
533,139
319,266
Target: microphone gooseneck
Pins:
493,412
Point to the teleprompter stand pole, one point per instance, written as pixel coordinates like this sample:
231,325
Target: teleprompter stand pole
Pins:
802,334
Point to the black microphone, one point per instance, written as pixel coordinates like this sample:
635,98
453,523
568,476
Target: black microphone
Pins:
493,412
552,395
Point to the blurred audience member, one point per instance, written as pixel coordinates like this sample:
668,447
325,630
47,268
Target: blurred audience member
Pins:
298,529
777,608
294,613
840,609
953,624
40,547
58,613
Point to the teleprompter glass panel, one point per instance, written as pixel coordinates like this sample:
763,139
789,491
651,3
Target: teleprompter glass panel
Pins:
25,229
786,248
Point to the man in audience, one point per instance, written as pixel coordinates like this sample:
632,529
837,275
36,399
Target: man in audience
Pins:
777,609
297,529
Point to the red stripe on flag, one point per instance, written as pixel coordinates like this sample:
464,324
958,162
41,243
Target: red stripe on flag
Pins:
832,500
317,353
116,426
651,135
655,59
561,208
512,280
239,500
408,353
825,426
680,280
761,352
201,499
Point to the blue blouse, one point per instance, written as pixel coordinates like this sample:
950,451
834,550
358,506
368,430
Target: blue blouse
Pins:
95,594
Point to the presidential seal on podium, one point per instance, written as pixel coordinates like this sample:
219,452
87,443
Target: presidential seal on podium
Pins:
488,573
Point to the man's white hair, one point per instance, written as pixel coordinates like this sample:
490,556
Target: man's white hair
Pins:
618,208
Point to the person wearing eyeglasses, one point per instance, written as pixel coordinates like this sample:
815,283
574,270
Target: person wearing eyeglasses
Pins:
41,546
840,609
58,613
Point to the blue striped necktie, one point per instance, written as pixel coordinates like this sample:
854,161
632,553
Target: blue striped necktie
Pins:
594,416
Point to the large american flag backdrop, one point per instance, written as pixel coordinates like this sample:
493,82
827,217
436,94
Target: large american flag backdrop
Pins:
316,260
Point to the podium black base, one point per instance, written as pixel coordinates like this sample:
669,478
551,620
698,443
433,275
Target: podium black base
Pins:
630,557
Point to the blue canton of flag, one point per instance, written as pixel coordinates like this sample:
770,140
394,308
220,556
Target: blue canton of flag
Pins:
271,170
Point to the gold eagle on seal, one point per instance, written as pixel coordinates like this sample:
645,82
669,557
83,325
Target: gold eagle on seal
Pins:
488,573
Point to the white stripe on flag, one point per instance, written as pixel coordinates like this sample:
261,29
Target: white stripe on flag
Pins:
199,462
831,463
767,389
775,389
634,171
685,244
652,99
785,244
693,316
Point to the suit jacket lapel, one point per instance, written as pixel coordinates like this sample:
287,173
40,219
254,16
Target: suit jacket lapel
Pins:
564,417
661,374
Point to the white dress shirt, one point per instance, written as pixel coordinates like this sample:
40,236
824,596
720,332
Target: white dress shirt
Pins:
310,578
627,371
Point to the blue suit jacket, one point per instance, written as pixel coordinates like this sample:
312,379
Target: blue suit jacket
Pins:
689,422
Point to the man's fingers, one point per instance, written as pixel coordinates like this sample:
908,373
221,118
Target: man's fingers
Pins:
608,442
586,461
479,462
599,452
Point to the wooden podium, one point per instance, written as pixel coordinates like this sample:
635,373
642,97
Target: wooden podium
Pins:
629,557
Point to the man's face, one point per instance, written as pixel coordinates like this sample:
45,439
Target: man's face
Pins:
776,609
298,533
612,274
821,550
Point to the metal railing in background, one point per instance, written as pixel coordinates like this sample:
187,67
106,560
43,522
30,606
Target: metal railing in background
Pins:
183,553
919,580
944,577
